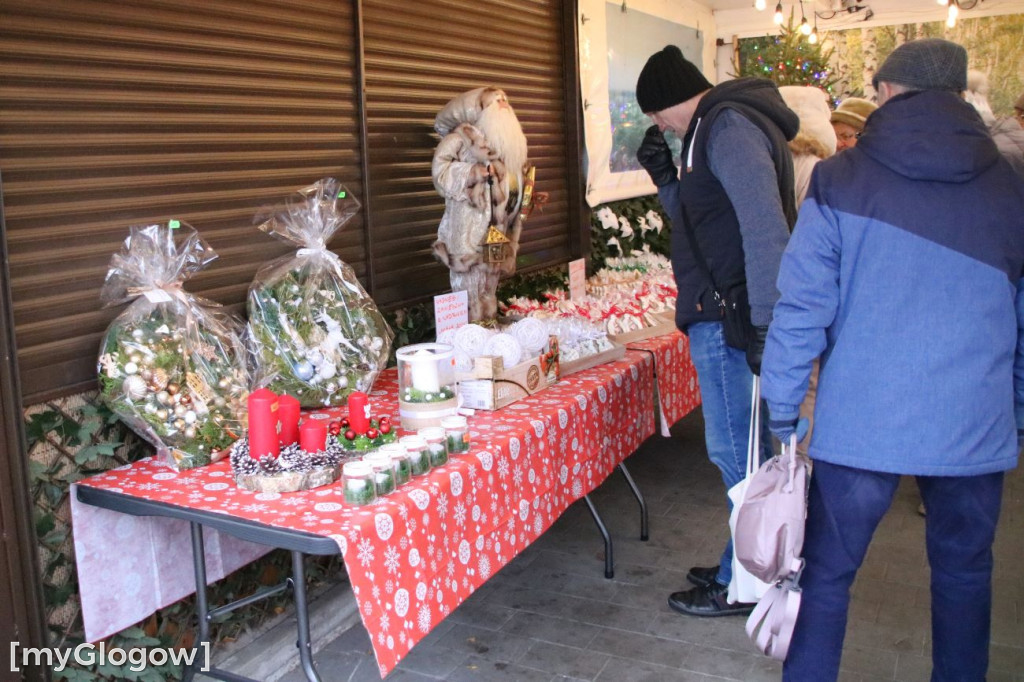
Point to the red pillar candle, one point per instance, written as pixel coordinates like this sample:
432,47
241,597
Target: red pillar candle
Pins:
313,435
288,412
263,410
359,412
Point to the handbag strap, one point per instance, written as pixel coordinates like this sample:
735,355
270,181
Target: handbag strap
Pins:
773,620
754,436
698,255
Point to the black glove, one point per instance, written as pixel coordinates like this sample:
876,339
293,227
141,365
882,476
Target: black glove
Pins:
755,349
656,158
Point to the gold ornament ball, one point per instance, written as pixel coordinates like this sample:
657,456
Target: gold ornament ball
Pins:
179,424
164,398
180,410
161,414
173,388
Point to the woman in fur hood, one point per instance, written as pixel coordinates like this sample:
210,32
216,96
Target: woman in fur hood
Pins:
816,139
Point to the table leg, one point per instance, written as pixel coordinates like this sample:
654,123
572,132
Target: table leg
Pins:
202,606
644,536
302,616
609,563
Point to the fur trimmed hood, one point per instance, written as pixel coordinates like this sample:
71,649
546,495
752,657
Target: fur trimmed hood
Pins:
465,108
816,135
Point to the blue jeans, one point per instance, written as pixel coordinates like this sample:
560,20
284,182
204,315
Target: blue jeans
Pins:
725,392
845,506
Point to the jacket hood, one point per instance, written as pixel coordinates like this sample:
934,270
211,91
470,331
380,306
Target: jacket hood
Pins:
759,94
929,135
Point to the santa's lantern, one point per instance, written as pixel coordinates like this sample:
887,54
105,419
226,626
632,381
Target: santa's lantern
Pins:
495,246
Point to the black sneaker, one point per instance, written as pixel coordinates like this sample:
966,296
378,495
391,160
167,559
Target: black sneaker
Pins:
702,576
707,601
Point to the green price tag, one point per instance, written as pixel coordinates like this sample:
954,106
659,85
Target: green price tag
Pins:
173,224
341,194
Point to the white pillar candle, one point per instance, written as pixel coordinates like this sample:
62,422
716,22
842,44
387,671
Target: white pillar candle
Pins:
423,372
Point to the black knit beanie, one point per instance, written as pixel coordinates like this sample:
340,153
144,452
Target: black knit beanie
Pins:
668,79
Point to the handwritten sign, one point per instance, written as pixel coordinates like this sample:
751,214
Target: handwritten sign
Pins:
577,279
451,311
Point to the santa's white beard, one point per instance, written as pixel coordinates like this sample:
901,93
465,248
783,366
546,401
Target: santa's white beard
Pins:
504,135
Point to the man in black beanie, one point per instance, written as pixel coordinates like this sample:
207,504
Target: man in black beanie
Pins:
731,213
906,274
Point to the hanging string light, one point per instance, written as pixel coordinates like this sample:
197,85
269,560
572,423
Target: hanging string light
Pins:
805,28
760,5
952,13
778,18
813,38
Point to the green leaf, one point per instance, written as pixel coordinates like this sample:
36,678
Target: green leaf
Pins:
44,524
40,424
36,470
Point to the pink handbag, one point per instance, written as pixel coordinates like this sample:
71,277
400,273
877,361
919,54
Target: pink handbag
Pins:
769,530
768,540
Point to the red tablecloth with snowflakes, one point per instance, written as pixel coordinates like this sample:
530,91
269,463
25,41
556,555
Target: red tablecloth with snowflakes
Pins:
416,554
678,391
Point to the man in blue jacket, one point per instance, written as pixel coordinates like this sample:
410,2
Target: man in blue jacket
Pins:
904,275
730,213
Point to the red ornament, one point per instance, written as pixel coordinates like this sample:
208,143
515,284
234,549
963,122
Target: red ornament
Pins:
350,435
334,428
345,423
385,427
371,433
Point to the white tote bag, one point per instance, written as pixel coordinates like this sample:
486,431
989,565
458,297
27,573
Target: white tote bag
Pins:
744,587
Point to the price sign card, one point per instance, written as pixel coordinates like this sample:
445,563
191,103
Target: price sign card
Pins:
577,279
451,311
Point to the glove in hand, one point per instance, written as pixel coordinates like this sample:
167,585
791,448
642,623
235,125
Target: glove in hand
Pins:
656,158
755,349
784,428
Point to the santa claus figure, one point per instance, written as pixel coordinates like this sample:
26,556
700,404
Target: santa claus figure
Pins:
480,168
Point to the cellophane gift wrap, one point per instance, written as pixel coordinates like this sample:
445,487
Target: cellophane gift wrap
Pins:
315,333
172,365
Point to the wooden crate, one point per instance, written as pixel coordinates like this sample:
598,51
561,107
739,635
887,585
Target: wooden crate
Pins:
491,386
664,327
568,367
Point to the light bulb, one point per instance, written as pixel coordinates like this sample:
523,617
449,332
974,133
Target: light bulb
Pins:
760,5
953,12
813,38
943,2
805,28
778,18
951,21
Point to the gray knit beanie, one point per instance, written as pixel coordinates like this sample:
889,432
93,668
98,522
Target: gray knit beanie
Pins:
668,79
927,64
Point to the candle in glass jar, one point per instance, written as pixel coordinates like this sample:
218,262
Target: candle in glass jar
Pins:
423,372
263,412
359,412
288,413
313,435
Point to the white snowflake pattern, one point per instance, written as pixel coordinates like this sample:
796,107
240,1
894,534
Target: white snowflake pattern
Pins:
502,468
403,511
253,508
517,475
376,592
494,505
485,567
412,524
367,607
451,568
380,638
385,622
365,552
442,505
389,587
293,501
423,619
404,543
391,559
459,513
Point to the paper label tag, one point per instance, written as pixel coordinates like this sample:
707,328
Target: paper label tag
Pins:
577,279
156,295
451,311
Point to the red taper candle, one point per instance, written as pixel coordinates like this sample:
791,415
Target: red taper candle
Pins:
288,413
313,435
359,412
263,410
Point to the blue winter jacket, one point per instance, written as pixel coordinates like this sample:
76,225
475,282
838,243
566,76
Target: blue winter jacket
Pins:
904,274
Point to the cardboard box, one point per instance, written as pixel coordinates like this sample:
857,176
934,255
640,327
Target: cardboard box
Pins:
662,328
491,386
567,367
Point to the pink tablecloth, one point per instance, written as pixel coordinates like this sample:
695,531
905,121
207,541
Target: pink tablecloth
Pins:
415,555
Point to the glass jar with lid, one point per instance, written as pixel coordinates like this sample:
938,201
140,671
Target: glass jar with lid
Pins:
357,482
400,462
435,438
383,471
419,455
456,430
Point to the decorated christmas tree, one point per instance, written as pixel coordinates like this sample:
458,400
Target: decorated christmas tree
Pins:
789,58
